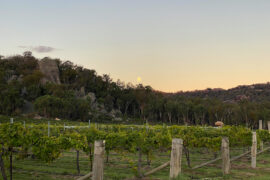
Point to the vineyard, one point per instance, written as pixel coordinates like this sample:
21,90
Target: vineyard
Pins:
48,151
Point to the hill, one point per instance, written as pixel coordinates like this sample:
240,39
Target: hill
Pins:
51,88
255,92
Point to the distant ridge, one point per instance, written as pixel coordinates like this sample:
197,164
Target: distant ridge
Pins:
255,92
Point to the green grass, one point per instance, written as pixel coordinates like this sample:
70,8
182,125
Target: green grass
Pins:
4,119
121,166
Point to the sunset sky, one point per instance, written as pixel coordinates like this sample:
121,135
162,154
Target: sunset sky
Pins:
170,45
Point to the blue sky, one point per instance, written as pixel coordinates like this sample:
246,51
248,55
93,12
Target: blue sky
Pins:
171,45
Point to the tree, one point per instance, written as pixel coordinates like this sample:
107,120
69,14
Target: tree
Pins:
33,85
170,107
10,98
27,54
49,106
142,95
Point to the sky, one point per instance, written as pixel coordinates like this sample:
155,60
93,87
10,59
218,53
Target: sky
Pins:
170,45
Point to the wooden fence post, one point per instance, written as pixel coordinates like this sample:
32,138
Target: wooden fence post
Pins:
260,128
253,150
98,164
176,157
260,124
48,128
225,150
268,123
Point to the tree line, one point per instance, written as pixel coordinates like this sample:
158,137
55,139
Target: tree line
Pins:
20,81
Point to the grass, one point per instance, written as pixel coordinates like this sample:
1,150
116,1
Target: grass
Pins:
122,166
5,119
27,120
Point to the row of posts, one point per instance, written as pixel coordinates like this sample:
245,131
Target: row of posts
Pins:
175,163
99,151
176,154
12,121
176,157
261,125
89,123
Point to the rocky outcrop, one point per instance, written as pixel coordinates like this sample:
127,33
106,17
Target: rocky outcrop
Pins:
12,78
81,93
115,113
99,110
91,96
15,78
50,70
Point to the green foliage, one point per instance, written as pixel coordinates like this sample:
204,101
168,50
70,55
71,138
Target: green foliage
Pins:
32,85
49,106
197,136
12,135
52,106
76,141
263,135
47,148
10,98
121,138
20,79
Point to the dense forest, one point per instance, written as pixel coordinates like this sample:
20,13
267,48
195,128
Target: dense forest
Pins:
52,88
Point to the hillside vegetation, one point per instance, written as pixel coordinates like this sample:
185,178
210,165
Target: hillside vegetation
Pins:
255,93
52,88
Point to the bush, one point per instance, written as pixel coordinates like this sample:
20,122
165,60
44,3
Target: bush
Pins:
70,108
